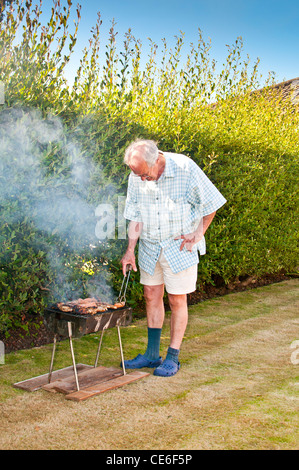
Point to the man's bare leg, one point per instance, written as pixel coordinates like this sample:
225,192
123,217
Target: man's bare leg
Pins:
178,324
154,305
155,319
179,319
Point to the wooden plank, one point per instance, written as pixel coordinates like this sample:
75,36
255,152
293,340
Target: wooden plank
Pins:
35,383
51,387
96,389
87,378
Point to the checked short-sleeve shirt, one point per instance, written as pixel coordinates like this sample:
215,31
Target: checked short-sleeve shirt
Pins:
169,207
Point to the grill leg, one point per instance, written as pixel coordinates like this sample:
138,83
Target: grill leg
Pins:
121,350
69,325
99,349
52,358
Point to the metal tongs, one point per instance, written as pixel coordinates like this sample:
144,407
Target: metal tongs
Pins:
123,289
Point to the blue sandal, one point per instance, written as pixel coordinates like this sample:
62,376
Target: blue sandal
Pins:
140,361
167,368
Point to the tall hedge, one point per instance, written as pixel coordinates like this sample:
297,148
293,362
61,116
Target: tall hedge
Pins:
61,156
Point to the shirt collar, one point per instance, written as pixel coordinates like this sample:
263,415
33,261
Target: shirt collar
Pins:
169,170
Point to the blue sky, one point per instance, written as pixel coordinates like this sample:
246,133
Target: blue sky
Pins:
269,28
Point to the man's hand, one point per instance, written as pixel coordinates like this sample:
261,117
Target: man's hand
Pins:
128,259
189,240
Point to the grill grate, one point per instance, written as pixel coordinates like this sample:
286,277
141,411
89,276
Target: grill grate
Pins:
56,320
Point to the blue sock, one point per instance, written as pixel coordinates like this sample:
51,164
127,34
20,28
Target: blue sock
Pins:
173,355
153,345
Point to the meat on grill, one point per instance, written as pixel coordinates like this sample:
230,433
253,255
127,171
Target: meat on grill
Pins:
87,306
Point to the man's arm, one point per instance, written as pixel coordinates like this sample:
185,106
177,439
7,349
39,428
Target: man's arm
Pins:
190,239
134,231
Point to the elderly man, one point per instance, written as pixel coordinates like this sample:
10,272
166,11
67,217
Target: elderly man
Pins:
170,204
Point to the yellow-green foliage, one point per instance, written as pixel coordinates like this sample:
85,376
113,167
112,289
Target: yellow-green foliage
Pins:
245,140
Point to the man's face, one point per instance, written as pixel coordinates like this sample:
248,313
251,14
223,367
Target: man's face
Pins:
140,167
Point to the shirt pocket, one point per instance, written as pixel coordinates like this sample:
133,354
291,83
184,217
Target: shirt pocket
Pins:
179,215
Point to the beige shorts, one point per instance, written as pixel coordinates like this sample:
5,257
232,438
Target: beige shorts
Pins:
180,283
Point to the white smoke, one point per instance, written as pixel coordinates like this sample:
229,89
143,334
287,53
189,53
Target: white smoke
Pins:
45,178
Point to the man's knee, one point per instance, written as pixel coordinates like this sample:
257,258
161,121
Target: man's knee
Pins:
153,293
177,301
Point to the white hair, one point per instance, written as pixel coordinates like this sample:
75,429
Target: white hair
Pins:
149,148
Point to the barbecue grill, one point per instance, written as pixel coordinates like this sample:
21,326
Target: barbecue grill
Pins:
83,324
75,319
75,325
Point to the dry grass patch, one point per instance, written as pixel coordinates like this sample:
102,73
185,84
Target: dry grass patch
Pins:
237,388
